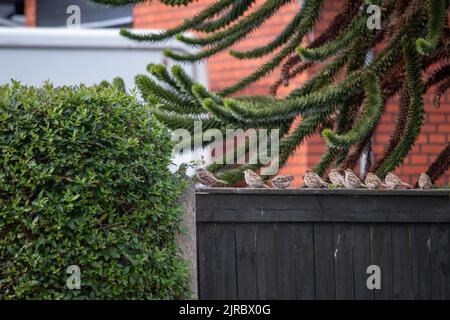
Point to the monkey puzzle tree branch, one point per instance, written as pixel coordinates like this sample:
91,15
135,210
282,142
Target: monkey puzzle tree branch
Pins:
370,116
440,165
415,110
415,37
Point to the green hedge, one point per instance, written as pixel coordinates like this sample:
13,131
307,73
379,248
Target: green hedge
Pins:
84,181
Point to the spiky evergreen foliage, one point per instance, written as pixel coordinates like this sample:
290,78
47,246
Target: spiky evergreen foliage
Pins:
440,165
343,101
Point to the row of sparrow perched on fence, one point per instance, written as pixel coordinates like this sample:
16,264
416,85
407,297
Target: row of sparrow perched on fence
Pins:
312,180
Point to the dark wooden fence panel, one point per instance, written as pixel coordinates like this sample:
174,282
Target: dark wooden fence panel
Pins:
440,278
421,261
317,244
225,258
382,257
246,261
266,266
206,259
323,261
286,243
401,262
304,261
362,257
343,261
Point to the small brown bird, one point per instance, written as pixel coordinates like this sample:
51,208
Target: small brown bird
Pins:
208,179
336,178
373,182
351,180
392,181
425,181
313,180
253,180
282,182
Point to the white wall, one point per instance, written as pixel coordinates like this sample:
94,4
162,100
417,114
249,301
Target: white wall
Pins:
73,56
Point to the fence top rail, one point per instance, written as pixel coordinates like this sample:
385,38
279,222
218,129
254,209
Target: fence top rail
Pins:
305,191
322,205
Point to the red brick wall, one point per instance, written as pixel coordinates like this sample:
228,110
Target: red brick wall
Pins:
434,137
30,13
223,69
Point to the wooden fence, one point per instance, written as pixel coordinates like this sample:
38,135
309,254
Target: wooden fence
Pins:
318,244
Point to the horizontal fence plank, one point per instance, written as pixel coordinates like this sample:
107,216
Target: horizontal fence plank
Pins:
324,191
336,216
312,202
313,207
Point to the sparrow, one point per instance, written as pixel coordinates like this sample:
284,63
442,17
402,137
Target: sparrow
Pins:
336,178
373,182
207,178
282,182
425,181
392,181
351,180
253,180
313,180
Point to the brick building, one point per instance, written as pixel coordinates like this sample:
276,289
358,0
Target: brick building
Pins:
224,70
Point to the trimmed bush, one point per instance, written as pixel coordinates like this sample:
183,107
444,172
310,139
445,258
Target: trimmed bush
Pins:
84,181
